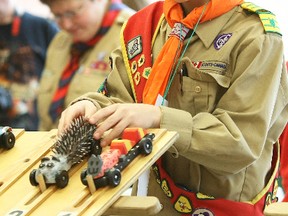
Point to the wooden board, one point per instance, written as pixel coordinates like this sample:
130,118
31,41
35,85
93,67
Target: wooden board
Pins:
277,209
19,197
15,162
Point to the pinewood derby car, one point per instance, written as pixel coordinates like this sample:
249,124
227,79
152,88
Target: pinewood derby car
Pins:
106,168
71,148
7,138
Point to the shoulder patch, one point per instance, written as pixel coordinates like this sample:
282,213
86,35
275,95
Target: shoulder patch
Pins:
267,18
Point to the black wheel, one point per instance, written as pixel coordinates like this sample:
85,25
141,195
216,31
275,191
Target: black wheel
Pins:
62,179
146,146
32,178
83,177
122,158
114,177
8,139
96,148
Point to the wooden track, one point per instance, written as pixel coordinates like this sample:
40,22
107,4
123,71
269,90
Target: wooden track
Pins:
277,209
18,197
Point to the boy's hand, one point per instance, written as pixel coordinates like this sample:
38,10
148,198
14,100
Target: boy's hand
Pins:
84,107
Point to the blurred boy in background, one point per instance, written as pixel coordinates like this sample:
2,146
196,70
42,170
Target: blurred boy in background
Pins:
78,57
24,39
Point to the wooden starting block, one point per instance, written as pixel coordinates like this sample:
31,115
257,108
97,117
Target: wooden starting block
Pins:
18,197
277,209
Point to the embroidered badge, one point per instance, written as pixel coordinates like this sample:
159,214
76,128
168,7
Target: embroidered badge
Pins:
134,47
133,67
197,64
100,65
272,195
275,188
165,187
203,196
180,31
141,60
221,40
268,19
269,23
103,88
269,199
183,205
211,66
137,77
202,212
146,72
157,173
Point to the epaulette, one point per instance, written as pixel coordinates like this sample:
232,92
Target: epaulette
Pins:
267,18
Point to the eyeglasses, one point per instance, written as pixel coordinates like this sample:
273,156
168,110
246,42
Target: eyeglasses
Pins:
70,14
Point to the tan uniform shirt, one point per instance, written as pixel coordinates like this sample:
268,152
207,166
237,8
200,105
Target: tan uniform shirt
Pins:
229,109
94,67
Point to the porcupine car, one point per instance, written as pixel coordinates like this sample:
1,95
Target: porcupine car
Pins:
54,170
71,148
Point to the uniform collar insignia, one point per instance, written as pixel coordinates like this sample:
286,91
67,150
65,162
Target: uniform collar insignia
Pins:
221,40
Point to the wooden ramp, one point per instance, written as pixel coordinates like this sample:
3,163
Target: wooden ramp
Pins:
18,197
277,209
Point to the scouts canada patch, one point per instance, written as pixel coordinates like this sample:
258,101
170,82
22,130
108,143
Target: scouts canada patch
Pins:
134,47
211,66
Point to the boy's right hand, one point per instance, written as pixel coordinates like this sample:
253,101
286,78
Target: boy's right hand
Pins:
81,108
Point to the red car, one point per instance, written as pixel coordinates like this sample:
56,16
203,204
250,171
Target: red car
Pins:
106,168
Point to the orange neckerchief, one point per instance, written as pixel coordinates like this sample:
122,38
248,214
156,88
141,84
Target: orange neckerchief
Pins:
170,52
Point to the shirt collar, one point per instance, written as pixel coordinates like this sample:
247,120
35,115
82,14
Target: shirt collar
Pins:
208,31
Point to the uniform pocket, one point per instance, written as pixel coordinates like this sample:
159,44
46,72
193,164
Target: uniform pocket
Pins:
200,90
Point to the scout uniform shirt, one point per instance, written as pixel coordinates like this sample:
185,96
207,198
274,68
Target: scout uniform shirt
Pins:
94,67
228,102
